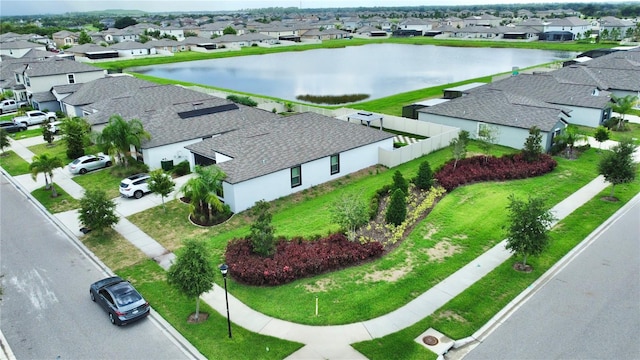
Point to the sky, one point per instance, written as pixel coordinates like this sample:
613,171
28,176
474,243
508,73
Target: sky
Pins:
33,7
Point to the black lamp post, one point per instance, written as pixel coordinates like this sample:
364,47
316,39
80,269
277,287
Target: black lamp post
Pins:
223,269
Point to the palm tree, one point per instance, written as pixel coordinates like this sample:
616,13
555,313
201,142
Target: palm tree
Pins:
4,140
623,106
202,192
118,136
570,136
45,164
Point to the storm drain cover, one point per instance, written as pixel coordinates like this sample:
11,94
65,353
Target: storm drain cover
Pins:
430,340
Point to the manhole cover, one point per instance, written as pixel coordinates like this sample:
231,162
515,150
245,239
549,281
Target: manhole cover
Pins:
430,340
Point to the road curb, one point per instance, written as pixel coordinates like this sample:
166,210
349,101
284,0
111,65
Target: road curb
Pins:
481,334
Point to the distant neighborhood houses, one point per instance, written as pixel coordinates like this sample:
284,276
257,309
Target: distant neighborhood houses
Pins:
224,33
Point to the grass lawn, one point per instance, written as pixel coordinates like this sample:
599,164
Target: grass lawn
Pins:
32,132
407,271
13,164
632,131
210,337
58,148
469,311
63,202
100,180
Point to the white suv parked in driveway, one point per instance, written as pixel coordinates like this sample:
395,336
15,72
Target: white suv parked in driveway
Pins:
135,186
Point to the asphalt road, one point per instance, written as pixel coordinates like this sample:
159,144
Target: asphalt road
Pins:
590,309
45,311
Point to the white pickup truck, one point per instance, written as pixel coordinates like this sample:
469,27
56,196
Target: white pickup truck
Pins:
34,117
8,105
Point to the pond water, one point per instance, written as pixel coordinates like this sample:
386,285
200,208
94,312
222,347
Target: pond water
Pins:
377,70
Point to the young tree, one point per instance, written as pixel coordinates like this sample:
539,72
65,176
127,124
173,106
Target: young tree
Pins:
84,38
161,183
528,229
397,209
350,213
262,232
617,166
202,192
229,30
601,135
487,137
532,145
459,146
4,140
45,164
46,133
76,133
399,182
424,180
97,212
623,106
119,135
192,272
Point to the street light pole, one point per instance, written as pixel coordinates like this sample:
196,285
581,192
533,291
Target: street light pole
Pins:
224,269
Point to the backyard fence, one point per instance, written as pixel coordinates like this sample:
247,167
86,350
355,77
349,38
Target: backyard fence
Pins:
437,136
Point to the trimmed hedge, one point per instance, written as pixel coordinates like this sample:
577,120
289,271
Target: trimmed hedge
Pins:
481,168
295,259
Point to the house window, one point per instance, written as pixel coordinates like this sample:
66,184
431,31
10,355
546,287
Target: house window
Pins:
71,78
27,81
296,176
335,164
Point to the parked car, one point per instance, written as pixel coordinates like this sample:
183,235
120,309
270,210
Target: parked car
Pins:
86,163
120,299
9,105
10,127
135,186
34,117
54,126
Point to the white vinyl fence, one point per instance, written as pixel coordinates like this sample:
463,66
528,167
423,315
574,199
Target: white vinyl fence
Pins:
438,136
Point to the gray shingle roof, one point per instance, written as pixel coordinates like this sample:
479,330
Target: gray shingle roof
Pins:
56,66
500,108
136,103
100,89
547,88
283,142
167,127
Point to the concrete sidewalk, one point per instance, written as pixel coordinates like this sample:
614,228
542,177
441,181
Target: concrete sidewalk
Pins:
321,342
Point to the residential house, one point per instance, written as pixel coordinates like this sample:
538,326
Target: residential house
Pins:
588,105
415,24
510,114
129,49
616,29
285,155
65,38
115,35
90,52
167,46
618,73
327,34
565,29
484,20
178,32
19,48
41,76
74,100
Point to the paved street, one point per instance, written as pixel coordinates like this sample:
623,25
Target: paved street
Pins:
45,312
590,309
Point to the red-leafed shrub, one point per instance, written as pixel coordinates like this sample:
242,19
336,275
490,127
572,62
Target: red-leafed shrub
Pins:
479,168
296,258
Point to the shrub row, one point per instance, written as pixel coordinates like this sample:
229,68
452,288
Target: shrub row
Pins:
296,258
480,168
